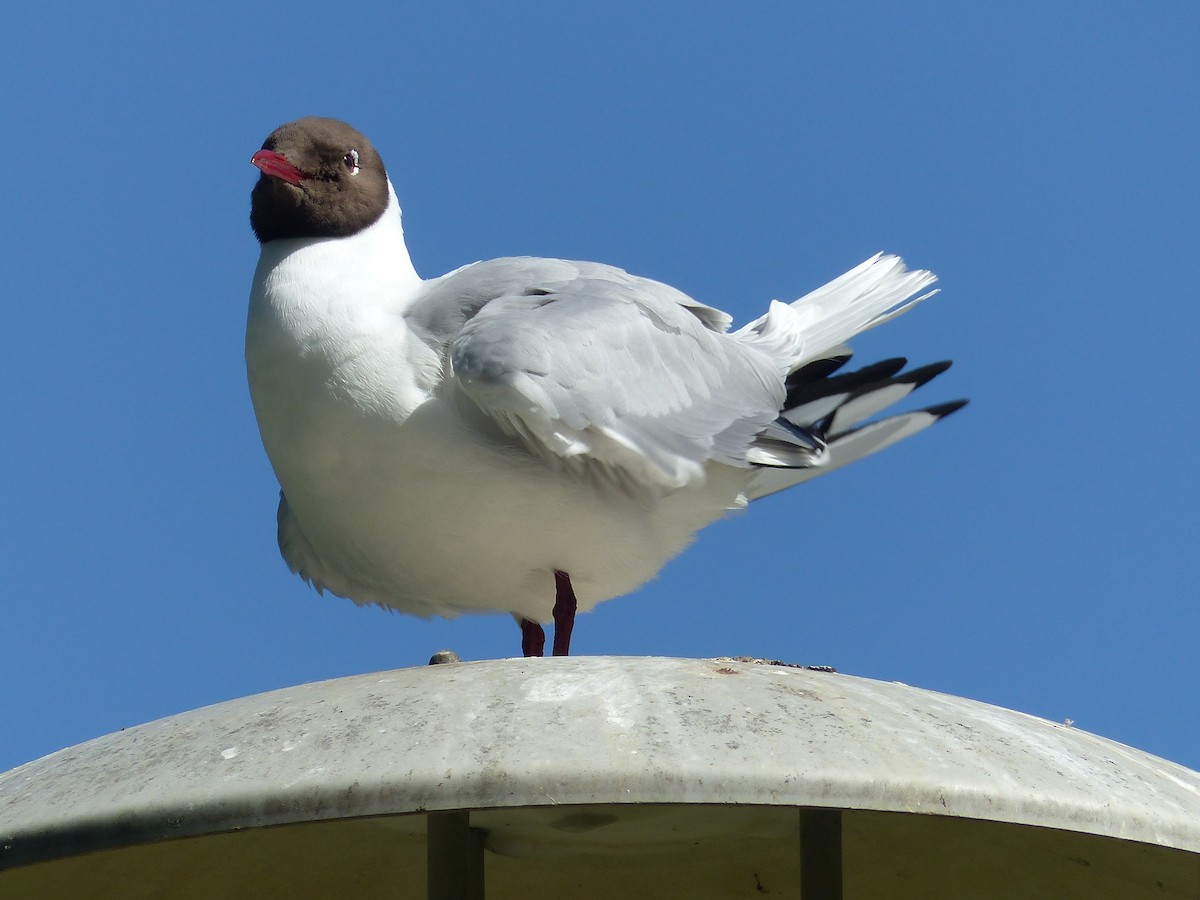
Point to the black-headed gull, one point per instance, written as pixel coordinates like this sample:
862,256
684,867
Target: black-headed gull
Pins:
526,435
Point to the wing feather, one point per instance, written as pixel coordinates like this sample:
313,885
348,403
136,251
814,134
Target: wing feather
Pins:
585,362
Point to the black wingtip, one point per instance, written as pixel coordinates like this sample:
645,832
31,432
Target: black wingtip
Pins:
944,409
817,369
812,381
885,368
925,374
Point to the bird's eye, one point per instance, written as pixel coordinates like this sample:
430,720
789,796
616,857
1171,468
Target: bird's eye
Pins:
351,161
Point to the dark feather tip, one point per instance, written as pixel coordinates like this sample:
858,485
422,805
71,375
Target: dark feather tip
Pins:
944,409
925,374
816,370
799,393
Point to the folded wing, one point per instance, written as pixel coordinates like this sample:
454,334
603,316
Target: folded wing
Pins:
588,365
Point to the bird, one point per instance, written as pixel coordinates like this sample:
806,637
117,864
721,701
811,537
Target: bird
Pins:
525,435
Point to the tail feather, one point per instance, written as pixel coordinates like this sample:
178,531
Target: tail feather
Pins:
819,324
828,413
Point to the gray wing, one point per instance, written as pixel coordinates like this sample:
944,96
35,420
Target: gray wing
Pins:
586,363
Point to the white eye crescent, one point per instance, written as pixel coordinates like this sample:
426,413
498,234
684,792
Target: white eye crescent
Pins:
351,161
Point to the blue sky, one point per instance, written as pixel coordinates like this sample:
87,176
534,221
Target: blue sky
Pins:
1035,551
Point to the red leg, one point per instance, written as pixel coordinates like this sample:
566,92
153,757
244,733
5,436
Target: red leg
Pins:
533,639
565,605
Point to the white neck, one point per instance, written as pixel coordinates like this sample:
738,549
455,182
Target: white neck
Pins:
323,311
371,268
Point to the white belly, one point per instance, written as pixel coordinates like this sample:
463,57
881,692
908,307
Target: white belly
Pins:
427,517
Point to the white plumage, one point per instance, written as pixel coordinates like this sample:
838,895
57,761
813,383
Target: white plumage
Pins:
446,446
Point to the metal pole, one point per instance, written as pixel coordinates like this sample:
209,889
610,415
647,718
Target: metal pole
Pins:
820,854
454,857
